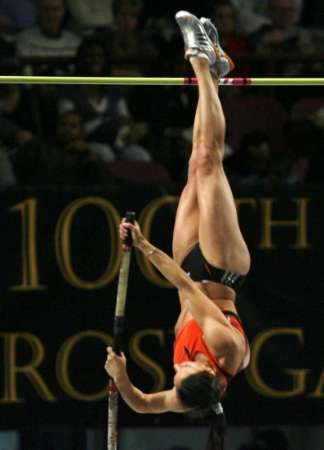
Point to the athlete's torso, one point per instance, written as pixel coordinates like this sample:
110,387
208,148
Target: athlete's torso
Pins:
190,342
221,295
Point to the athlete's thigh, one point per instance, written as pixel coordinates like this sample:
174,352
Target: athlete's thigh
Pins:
185,233
220,237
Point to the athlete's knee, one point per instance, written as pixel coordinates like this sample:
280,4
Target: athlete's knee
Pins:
208,158
192,165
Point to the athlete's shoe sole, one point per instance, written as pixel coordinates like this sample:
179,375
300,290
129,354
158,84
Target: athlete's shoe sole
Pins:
223,64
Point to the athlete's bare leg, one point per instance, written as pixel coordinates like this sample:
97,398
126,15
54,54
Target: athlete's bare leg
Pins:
219,233
220,237
185,233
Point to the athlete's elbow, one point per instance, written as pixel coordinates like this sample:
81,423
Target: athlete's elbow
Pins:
140,407
145,409
143,405
140,410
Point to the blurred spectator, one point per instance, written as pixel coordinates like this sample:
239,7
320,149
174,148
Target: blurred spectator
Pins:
257,164
18,117
49,38
16,15
17,124
225,17
305,142
169,124
253,110
252,14
250,166
90,15
92,58
103,108
283,34
65,160
71,133
132,53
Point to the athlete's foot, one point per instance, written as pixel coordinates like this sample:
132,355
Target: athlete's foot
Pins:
223,64
197,43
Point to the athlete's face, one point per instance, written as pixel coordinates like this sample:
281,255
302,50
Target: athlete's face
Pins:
188,368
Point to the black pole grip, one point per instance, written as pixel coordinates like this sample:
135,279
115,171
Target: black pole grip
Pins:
118,334
130,217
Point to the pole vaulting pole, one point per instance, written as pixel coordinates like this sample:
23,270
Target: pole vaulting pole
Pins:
112,432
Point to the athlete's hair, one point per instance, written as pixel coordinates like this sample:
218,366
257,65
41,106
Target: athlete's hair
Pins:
202,392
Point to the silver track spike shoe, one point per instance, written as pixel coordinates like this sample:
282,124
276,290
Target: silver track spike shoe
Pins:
197,43
223,64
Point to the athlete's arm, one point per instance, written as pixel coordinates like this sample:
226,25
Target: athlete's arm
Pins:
201,307
156,403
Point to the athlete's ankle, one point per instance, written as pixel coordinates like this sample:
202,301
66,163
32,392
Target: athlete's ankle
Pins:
199,63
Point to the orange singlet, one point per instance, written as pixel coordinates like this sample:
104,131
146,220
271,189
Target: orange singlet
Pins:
189,341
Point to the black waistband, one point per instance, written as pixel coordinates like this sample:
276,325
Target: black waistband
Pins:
200,270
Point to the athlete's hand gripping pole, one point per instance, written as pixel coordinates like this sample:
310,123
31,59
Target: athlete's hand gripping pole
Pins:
112,434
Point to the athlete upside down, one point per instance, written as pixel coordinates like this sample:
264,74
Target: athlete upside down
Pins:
210,257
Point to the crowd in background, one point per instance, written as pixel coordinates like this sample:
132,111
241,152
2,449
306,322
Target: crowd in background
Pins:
93,135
